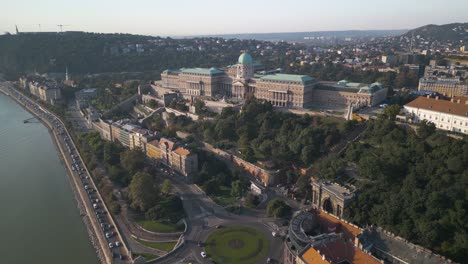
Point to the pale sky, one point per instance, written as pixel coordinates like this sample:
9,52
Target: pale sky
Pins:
184,17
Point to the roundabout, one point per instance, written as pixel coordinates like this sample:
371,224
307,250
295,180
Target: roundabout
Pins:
237,244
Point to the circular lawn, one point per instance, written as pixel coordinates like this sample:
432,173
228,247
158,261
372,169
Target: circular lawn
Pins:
237,244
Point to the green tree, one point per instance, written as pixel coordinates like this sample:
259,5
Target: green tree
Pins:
237,189
132,160
251,200
392,111
142,192
278,208
199,106
166,187
152,103
426,129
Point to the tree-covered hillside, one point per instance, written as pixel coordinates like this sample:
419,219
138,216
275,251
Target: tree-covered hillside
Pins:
413,184
96,53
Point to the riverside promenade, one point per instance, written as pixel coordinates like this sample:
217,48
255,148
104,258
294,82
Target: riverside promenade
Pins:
58,131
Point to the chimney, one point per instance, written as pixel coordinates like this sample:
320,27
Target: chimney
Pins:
458,101
451,100
428,96
437,97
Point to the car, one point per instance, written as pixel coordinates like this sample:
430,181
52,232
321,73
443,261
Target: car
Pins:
218,226
122,257
86,187
274,234
268,260
117,243
203,254
111,245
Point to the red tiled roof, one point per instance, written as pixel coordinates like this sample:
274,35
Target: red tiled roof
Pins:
440,105
182,151
331,224
340,250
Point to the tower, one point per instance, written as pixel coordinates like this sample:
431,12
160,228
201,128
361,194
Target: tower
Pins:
245,67
66,74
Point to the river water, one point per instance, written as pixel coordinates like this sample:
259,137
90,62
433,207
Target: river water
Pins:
39,219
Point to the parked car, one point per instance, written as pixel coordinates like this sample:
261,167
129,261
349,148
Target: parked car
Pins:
203,254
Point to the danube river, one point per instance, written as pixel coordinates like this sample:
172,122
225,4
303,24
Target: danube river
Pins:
39,218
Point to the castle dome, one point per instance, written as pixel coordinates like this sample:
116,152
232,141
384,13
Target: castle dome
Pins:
245,58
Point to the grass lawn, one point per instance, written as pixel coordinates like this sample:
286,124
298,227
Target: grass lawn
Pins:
164,246
147,256
224,196
159,227
237,245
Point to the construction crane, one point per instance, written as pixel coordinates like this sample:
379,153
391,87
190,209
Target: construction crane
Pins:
61,27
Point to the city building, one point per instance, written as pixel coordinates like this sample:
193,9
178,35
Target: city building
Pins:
171,154
83,96
448,86
242,80
344,93
316,236
450,115
45,89
158,149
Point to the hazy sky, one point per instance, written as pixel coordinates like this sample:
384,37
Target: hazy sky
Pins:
184,17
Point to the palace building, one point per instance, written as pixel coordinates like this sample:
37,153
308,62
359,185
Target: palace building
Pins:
283,90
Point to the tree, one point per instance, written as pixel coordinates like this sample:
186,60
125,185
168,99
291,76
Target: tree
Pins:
142,192
117,174
132,160
278,208
251,200
152,103
237,189
392,111
111,153
199,106
426,129
166,187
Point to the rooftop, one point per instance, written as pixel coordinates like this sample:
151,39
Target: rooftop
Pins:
338,250
303,79
440,105
381,240
351,87
182,151
203,71
330,223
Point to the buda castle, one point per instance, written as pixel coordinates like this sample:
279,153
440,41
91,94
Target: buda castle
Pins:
282,90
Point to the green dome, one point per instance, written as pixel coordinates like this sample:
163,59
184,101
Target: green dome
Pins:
245,58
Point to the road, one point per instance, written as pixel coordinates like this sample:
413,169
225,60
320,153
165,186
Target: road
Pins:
108,236
203,215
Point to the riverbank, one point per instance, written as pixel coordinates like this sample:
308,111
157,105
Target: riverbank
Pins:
99,246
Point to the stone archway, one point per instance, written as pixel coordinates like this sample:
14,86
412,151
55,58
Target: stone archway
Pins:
327,205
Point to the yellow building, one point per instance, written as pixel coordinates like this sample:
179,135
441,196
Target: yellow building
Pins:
152,150
167,152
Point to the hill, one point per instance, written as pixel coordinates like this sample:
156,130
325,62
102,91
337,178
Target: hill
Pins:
86,53
441,33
